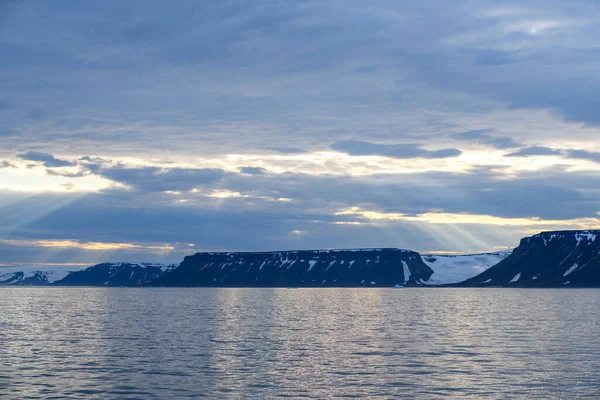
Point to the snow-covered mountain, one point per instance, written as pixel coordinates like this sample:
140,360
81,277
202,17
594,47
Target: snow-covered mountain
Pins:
116,274
33,276
457,268
306,268
548,259
105,274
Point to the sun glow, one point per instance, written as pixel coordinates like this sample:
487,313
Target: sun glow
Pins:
30,178
36,179
475,219
341,164
94,246
228,194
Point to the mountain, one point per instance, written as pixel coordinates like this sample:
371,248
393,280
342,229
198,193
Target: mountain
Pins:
307,268
457,268
32,276
548,259
115,274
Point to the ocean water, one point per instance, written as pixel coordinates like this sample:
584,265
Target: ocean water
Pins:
155,343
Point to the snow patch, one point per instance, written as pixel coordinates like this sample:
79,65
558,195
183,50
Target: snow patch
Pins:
330,264
453,269
573,268
12,275
548,240
588,236
406,271
516,278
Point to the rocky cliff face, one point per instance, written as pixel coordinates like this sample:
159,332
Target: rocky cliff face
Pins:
115,274
319,268
549,259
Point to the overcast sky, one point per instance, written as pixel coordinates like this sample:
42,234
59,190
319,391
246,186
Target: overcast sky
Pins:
141,131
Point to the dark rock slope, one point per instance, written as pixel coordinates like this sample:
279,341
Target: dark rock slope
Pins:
318,268
549,259
115,274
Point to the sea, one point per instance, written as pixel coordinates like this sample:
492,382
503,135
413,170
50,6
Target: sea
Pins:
422,343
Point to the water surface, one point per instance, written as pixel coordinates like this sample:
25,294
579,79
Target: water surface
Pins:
156,343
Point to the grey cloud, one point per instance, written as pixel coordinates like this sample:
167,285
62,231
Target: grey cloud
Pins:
313,73
6,164
47,159
253,170
89,159
583,155
65,174
155,179
287,150
307,66
484,137
116,216
95,164
480,191
535,151
575,154
402,151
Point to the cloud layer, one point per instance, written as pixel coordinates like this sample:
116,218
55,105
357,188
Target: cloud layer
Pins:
403,151
275,125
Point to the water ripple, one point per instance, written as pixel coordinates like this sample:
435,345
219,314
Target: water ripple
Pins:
157,343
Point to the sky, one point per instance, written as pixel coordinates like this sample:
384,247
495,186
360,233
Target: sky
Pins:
136,131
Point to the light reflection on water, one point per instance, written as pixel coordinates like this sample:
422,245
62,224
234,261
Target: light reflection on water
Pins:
315,343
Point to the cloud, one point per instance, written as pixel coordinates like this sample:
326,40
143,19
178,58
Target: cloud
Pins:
402,151
93,160
253,170
483,137
182,130
95,246
470,219
593,156
535,151
157,179
67,174
572,154
6,164
313,73
439,210
47,159
297,234
287,150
